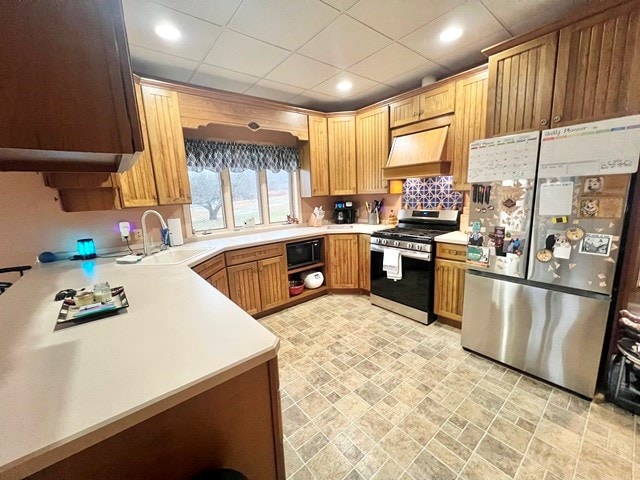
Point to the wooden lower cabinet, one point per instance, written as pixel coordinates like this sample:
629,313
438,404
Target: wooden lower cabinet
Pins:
449,288
219,281
272,276
244,289
364,270
192,436
342,255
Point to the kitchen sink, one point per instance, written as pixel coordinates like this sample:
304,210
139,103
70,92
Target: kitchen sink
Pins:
171,257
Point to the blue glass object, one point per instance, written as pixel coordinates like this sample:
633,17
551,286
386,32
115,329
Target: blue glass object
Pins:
86,248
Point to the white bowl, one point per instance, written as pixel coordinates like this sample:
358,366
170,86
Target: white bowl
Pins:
312,279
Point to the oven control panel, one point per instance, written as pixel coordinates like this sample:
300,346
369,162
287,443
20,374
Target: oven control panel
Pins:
418,247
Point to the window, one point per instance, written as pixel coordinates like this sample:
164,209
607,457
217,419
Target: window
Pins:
206,194
227,200
245,196
278,196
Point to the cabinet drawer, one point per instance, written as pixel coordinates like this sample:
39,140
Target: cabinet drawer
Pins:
210,267
252,254
452,251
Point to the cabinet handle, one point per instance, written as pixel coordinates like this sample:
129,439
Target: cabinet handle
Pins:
557,118
543,121
421,112
415,114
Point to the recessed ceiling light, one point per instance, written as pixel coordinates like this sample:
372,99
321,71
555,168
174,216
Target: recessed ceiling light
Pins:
344,85
450,34
168,32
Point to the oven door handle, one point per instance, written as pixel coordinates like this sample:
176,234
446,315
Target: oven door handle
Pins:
404,253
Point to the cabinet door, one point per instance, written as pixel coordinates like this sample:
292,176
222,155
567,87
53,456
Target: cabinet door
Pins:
372,140
405,111
318,156
470,118
342,155
274,286
449,288
364,276
598,67
219,281
62,98
438,101
138,185
166,145
244,290
520,87
343,261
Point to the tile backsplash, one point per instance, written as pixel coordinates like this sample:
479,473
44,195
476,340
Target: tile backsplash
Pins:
431,193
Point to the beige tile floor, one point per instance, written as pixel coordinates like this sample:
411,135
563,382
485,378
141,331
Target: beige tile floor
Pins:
367,394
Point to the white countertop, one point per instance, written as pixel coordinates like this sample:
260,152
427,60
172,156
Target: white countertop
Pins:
65,390
457,237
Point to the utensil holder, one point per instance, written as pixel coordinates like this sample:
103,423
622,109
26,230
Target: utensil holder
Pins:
374,218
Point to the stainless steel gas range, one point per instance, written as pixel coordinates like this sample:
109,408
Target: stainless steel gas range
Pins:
403,259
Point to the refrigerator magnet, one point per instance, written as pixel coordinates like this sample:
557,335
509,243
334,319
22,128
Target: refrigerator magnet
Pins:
545,255
596,244
574,233
559,219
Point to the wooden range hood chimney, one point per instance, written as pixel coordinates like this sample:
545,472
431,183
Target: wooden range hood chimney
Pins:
420,150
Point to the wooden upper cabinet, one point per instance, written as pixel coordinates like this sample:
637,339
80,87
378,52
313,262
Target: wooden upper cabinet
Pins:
166,145
405,111
598,67
274,287
342,154
137,185
315,159
66,108
470,122
244,288
520,87
343,261
438,101
372,149
432,103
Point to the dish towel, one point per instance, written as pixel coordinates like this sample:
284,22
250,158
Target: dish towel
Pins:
392,263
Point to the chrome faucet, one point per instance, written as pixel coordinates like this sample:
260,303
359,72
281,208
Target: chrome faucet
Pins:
146,243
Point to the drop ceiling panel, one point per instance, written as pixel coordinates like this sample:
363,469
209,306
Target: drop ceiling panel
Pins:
243,54
413,78
471,55
302,72
344,43
142,17
472,17
398,18
391,61
297,50
216,77
329,87
156,64
274,91
215,11
285,23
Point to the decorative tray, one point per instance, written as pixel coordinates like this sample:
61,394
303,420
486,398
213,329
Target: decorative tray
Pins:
70,314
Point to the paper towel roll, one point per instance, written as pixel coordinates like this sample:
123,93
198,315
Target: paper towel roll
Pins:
175,232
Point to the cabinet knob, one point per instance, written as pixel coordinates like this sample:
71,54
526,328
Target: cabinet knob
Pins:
415,114
543,121
557,118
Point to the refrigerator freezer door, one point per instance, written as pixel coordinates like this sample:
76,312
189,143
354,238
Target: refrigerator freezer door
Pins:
553,335
576,232
499,221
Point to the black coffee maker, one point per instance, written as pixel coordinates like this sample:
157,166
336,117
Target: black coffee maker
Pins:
344,213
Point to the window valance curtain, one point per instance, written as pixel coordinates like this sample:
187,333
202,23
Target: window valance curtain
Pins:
216,156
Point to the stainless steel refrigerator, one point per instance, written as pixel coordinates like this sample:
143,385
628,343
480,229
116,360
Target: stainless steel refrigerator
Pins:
544,246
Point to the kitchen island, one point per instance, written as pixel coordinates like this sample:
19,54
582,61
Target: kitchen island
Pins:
184,380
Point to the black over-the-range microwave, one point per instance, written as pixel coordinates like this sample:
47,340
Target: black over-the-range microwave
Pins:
303,253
